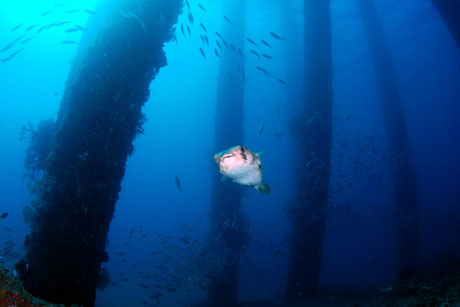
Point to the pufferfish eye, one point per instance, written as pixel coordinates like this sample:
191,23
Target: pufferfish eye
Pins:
243,154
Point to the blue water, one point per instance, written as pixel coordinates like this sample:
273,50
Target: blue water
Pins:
360,246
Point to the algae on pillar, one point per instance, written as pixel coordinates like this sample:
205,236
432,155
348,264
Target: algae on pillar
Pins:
404,185
311,133
101,114
449,10
226,196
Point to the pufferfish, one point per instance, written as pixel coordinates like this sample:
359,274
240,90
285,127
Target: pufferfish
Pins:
242,166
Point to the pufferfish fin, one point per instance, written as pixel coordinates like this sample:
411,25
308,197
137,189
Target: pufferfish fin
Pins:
260,153
224,178
263,188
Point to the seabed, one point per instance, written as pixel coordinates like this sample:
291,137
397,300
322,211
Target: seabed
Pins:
438,288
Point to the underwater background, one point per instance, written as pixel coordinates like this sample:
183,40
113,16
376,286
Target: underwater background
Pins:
157,241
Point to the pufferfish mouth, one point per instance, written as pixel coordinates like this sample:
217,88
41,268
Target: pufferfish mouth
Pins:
225,157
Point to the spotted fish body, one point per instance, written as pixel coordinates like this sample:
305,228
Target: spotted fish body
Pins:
242,166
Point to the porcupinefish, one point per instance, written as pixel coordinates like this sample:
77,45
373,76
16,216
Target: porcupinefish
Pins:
243,166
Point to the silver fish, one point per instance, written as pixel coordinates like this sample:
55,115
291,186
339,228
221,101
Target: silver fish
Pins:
277,36
261,128
178,183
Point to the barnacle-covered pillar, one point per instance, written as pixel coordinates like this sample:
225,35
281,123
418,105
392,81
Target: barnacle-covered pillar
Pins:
227,222
404,184
449,10
311,154
99,118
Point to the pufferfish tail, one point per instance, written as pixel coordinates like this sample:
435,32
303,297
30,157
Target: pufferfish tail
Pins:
263,188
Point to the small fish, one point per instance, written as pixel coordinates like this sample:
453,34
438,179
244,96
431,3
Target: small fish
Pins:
261,128
30,28
4,215
16,27
281,81
42,28
134,16
218,44
228,20
72,11
145,275
255,53
206,39
201,7
182,29
386,289
240,52
72,30
21,269
263,70
178,183
265,43
156,295
68,42
243,166
9,58
90,12
188,30
225,43
220,36
203,27
128,15
60,23
7,47
47,13
232,47
202,53
202,39
80,28
348,117
243,75
251,41
267,56
188,4
190,18
17,39
277,36
25,41
51,25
